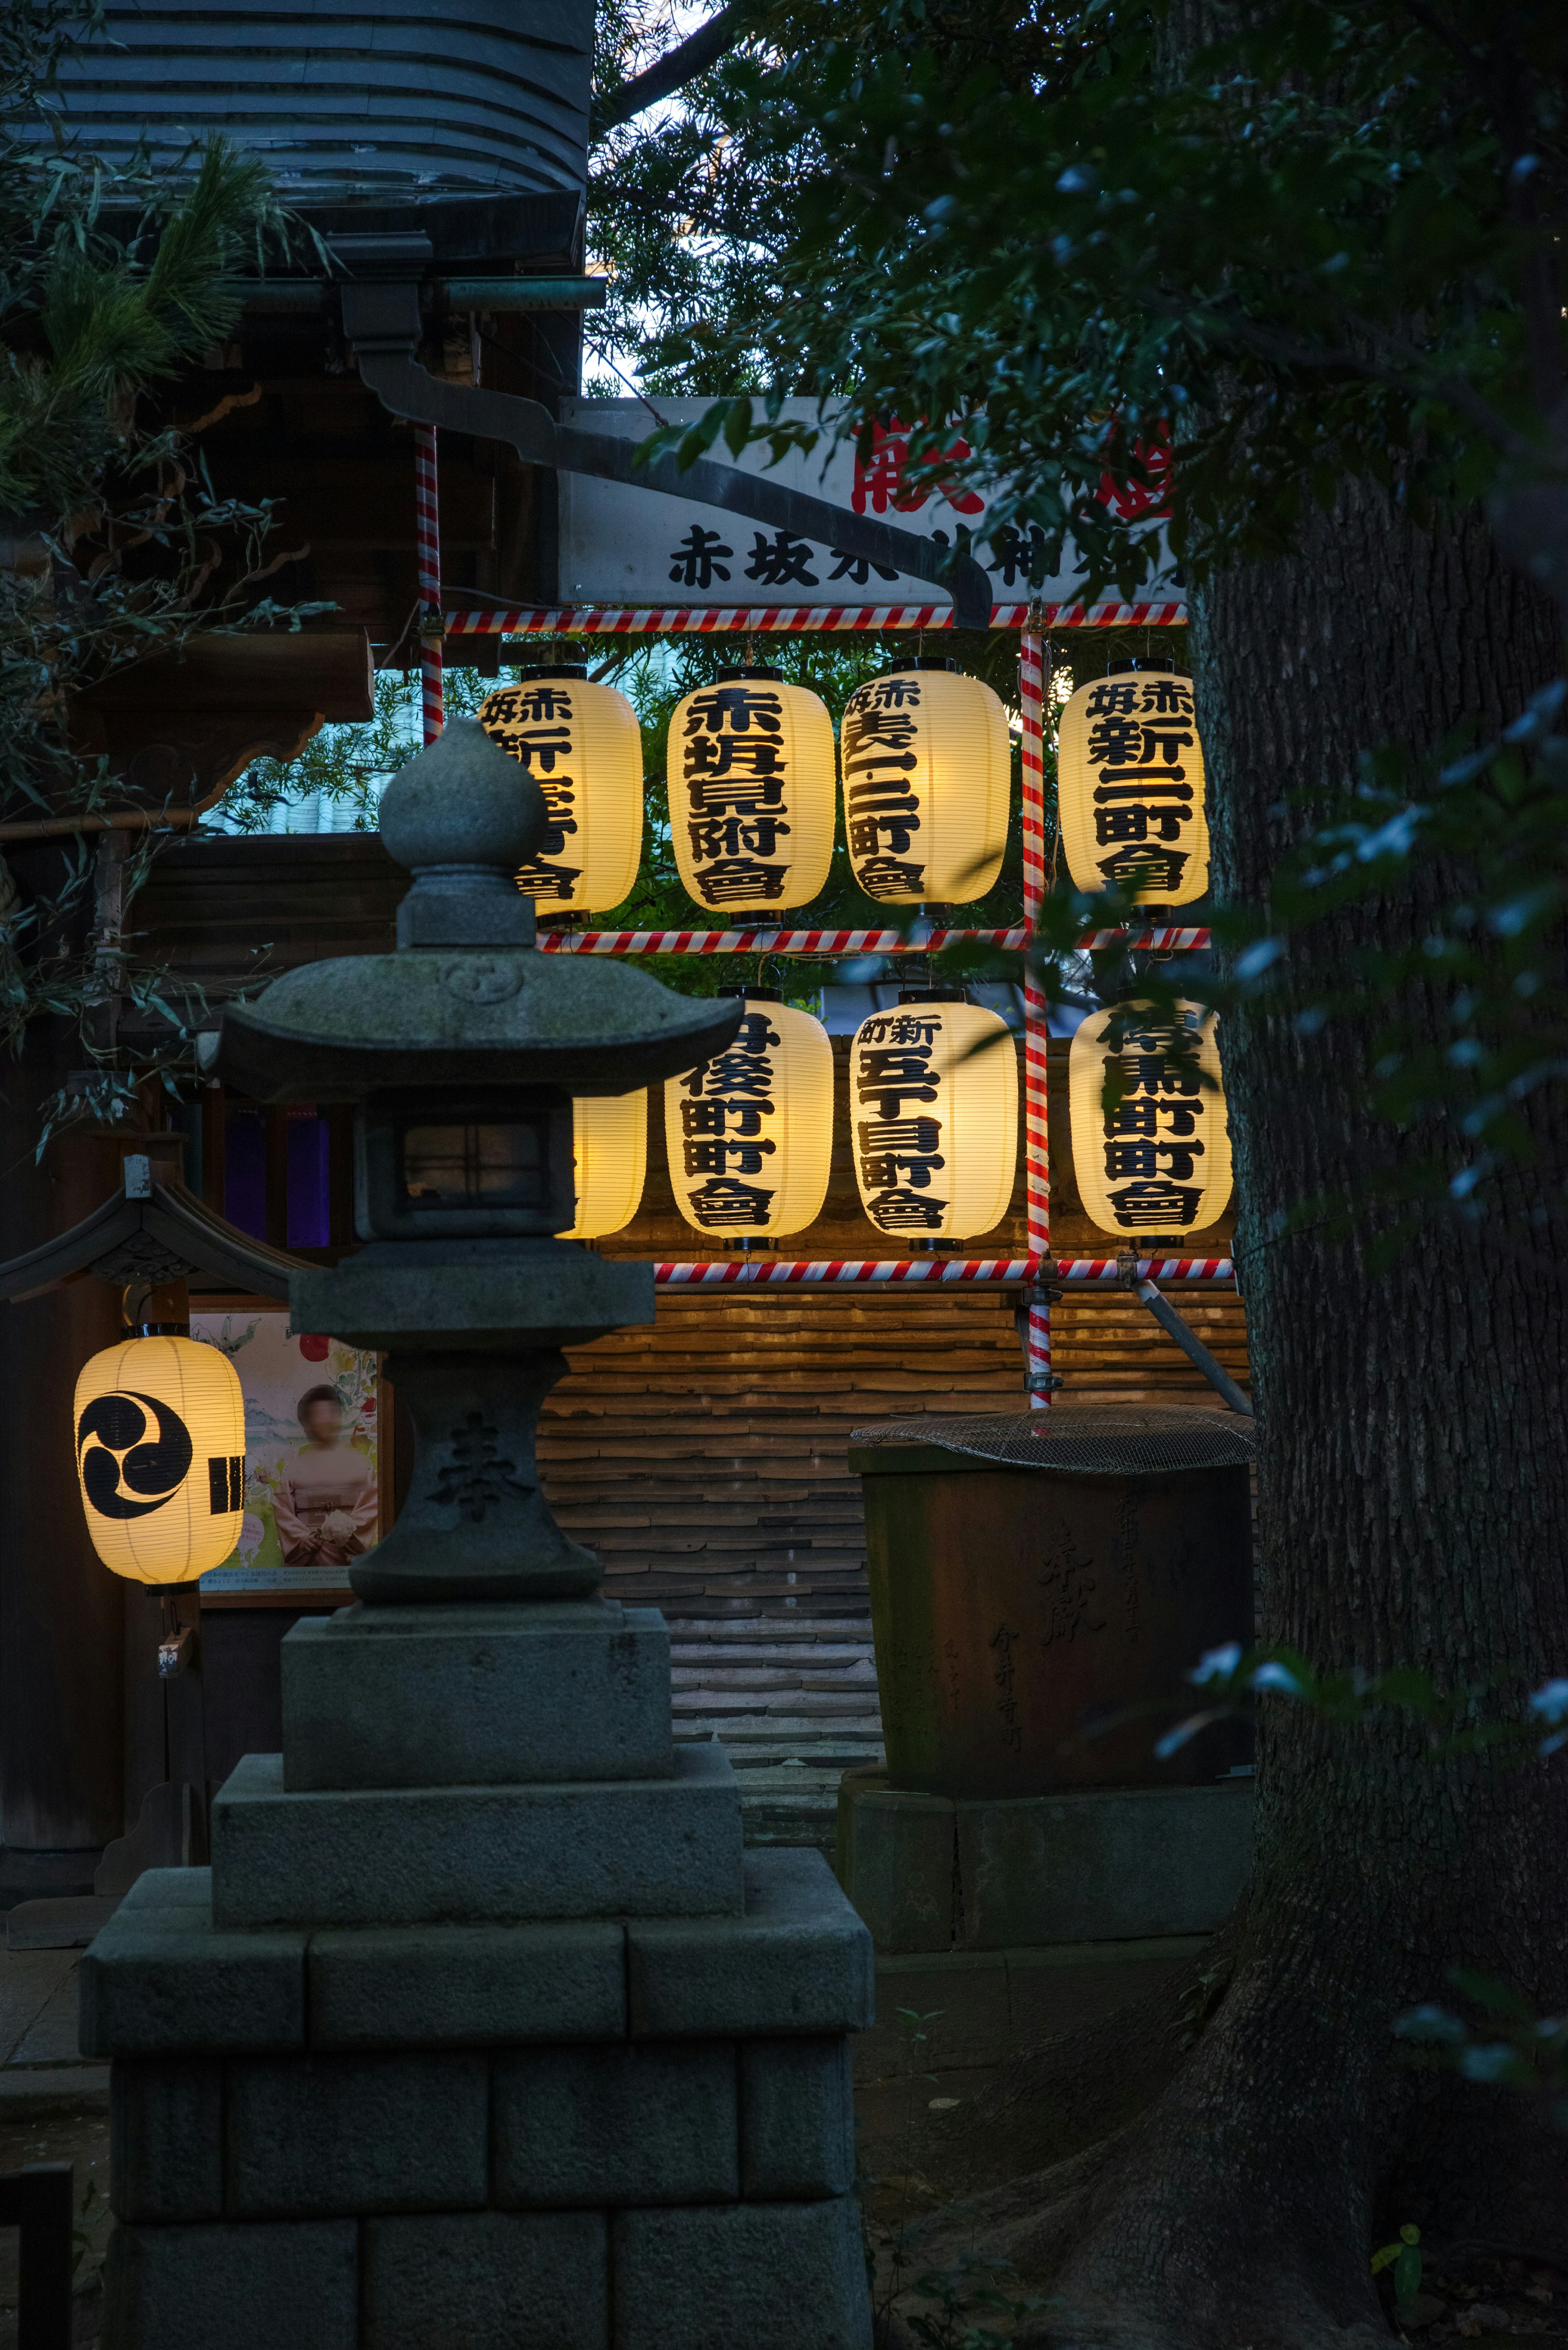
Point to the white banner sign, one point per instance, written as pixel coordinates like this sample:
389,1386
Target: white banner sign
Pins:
623,546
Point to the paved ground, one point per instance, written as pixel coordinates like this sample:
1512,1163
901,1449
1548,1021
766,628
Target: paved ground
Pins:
53,2108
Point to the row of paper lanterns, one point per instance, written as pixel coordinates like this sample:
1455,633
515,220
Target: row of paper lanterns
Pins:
934,1109
933,1104
926,762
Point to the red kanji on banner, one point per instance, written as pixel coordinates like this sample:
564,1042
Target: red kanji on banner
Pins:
880,483
1130,501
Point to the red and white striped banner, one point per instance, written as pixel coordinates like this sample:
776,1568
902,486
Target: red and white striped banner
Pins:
792,943
1149,1268
781,1273
1031,683
1144,939
833,942
608,620
427,545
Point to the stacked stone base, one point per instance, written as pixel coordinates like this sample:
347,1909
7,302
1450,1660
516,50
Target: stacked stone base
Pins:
623,2131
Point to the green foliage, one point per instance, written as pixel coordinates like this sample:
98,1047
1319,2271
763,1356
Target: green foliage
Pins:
108,283
1404,2258
1511,2047
956,2298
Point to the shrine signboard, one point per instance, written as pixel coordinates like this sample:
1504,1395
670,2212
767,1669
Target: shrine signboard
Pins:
620,546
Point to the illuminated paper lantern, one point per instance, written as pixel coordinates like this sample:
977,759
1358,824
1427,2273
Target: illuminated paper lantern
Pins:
583,746
750,1133
1130,788
933,1099
1160,1160
928,767
161,1457
609,1154
751,793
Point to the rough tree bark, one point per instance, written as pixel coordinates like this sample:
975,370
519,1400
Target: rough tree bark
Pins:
1413,1509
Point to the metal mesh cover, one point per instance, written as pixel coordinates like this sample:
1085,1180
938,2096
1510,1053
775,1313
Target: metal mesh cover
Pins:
1115,1440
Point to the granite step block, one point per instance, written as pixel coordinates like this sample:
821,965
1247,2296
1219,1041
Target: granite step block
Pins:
596,1848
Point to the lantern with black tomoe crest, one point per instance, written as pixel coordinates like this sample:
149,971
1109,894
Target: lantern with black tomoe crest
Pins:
159,1432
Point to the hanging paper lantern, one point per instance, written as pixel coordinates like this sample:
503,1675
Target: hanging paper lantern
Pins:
750,1133
1130,788
935,1119
161,1457
751,793
583,746
609,1153
928,769
1160,1160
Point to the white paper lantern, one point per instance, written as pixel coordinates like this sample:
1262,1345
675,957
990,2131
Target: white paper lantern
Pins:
750,1133
933,1098
161,1457
583,746
609,1155
927,766
1160,1160
1130,789
751,793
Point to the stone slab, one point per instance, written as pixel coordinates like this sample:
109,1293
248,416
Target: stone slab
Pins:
160,1978
476,1696
797,1961
797,2118
240,2288
1101,1864
466,1986
897,1858
616,2124
740,2276
166,2140
308,2137
486,2281
594,1848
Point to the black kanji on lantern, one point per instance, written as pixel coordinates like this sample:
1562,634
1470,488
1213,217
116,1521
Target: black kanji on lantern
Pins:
888,877
723,1201
734,710
906,1211
1143,867
740,882
1153,1205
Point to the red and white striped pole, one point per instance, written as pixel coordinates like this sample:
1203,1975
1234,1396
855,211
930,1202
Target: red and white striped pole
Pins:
1036,1028
427,534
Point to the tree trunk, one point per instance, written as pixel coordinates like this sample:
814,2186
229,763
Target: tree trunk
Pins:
1413,1510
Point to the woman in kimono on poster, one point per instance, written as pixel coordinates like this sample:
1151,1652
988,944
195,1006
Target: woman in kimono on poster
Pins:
324,1500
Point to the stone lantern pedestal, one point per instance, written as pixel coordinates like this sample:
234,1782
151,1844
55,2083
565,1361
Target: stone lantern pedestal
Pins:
482,2032
540,2060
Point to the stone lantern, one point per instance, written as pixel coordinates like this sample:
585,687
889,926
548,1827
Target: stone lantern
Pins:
480,2029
